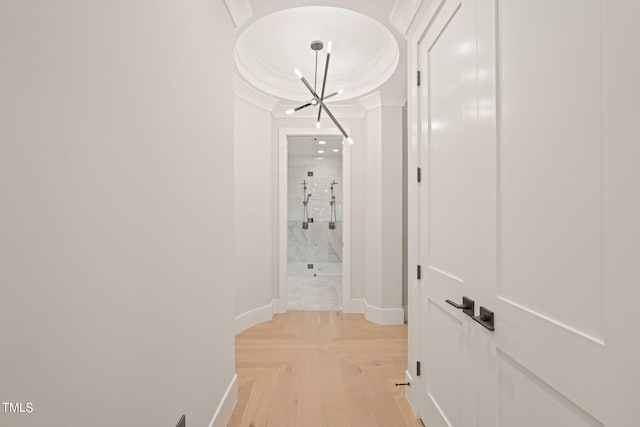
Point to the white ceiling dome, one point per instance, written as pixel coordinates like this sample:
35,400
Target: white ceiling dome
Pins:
364,53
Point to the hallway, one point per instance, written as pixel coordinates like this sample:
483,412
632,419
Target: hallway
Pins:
321,368
479,234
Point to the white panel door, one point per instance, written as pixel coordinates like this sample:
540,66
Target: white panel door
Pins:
531,207
551,220
448,249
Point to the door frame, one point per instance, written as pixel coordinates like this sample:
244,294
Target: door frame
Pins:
416,158
284,133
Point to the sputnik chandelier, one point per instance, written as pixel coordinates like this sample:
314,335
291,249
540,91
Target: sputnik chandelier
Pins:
316,99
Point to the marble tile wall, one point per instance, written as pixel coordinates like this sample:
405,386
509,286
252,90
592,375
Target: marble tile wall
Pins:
316,244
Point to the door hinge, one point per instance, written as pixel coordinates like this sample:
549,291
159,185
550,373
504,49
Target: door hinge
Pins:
419,272
419,175
417,368
418,78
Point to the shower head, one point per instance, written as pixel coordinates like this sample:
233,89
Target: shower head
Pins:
308,195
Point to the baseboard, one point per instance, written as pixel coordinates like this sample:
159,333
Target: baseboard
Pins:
384,316
356,305
228,402
253,317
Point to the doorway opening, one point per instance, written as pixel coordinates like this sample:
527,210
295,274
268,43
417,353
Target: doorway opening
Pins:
315,237
314,222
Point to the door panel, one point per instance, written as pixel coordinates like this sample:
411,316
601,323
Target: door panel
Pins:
519,388
449,144
549,137
445,368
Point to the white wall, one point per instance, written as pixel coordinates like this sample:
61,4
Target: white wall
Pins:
405,237
253,196
391,175
358,209
373,218
116,163
384,211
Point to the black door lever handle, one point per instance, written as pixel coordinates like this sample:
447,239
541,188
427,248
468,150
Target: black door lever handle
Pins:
458,306
467,306
485,318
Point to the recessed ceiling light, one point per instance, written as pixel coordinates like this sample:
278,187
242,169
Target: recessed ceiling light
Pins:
322,142
335,150
320,151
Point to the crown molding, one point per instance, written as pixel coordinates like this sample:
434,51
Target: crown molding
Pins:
403,14
240,11
370,102
248,93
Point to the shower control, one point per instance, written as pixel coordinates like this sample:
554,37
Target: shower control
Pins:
305,206
333,218
310,173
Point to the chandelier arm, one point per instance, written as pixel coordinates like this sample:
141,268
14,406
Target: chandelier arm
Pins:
333,119
324,78
315,79
324,107
331,95
324,84
308,104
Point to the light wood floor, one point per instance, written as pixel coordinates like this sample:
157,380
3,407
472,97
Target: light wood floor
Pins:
321,368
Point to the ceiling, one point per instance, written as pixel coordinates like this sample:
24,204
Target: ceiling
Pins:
309,146
364,55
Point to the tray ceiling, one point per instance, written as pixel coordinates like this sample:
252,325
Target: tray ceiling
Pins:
364,55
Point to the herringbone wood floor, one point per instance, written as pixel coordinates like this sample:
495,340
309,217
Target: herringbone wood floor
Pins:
321,368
